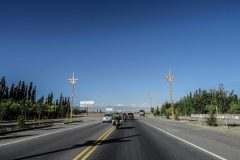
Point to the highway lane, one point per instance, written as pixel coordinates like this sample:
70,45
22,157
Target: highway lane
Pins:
133,140
220,142
136,140
64,145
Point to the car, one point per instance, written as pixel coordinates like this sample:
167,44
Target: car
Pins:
107,117
130,116
142,113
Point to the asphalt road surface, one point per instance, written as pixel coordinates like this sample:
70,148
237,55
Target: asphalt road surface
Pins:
134,140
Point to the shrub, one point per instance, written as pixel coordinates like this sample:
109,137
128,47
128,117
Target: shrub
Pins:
234,108
176,115
20,122
212,120
156,113
167,113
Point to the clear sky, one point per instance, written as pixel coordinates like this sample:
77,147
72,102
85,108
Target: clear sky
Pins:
120,50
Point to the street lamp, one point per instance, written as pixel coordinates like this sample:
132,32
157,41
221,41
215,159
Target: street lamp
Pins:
170,78
73,81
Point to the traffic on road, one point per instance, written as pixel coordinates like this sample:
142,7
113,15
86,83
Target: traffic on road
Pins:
135,138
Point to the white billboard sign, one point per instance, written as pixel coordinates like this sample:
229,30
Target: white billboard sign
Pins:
86,103
109,109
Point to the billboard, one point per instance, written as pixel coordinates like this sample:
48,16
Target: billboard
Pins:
109,109
86,103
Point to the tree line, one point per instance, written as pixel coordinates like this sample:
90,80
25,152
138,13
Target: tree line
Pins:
201,101
19,100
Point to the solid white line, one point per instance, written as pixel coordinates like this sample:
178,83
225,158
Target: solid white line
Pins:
1,145
189,143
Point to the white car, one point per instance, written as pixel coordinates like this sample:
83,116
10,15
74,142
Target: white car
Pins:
107,118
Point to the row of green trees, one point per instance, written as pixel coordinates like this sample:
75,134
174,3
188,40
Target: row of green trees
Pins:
19,100
205,102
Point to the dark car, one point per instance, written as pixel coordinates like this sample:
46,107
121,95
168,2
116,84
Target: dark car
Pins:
130,116
142,113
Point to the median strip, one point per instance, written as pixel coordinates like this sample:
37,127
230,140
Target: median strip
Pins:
90,149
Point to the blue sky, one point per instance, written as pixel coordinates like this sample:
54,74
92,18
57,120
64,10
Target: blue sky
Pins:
121,50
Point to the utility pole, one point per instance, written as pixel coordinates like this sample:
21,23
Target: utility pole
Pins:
73,81
170,78
150,95
150,99
160,108
221,90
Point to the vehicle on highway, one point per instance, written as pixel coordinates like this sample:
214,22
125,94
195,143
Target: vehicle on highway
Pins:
117,120
107,118
124,116
142,113
130,116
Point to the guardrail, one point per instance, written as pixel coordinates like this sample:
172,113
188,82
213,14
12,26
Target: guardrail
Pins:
218,116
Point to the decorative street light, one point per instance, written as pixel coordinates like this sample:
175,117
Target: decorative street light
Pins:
73,81
170,78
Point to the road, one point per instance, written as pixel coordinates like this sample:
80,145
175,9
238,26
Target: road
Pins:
134,140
